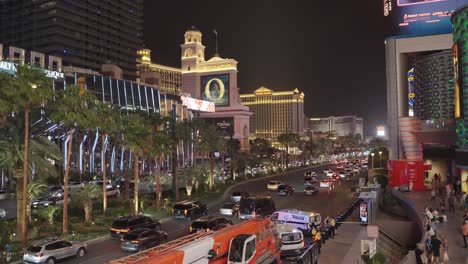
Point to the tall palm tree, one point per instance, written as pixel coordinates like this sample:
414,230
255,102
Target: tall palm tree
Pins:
107,121
27,90
211,140
85,197
137,132
183,132
73,108
288,139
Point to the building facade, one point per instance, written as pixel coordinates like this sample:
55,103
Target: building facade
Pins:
168,79
341,125
86,34
275,113
215,80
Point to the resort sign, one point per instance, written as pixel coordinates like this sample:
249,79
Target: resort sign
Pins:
10,68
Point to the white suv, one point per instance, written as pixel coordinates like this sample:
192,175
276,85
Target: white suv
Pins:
273,185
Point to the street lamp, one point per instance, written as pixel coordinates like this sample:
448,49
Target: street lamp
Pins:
380,159
372,154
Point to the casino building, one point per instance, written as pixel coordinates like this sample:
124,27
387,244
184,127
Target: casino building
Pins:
215,80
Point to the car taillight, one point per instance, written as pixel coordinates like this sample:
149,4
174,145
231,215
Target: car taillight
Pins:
39,255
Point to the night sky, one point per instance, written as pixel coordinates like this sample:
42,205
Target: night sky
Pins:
331,50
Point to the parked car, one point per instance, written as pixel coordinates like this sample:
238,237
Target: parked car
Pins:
142,238
236,196
189,209
208,223
123,225
310,190
52,249
75,185
230,209
286,189
273,185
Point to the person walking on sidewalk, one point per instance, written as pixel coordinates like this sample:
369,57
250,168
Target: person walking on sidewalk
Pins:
451,202
436,243
333,226
464,229
428,243
444,249
433,194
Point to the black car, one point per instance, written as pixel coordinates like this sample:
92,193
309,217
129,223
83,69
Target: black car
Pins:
310,190
208,223
141,239
237,196
123,225
189,209
285,189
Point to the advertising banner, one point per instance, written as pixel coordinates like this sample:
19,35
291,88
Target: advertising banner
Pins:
215,88
363,212
406,18
407,173
411,92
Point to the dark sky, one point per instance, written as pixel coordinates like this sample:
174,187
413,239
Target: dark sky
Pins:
331,50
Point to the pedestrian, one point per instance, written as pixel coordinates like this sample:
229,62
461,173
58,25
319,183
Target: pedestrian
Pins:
419,251
442,205
429,229
444,249
333,226
464,229
451,202
458,185
465,201
436,244
428,243
428,214
433,194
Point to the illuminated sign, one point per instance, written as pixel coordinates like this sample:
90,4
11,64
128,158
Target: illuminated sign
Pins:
381,131
411,90
456,71
215,88
10,68
218,67
198,105
363,212
419,17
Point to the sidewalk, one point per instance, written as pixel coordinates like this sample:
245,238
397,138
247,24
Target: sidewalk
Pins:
450,229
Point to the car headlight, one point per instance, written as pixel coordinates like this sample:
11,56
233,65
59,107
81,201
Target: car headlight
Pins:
46,204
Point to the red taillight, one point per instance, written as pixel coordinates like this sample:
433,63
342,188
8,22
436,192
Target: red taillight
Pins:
39,255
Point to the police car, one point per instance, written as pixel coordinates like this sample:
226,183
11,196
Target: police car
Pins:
298,219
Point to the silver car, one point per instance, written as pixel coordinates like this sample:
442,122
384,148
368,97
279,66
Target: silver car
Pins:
52,249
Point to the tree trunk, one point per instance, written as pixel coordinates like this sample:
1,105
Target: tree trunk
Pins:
19,204
211,171
65,184
158,183
287,156
88,210
24,223
104,176
135,179
175,173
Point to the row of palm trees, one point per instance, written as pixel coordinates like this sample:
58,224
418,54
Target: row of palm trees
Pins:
28,96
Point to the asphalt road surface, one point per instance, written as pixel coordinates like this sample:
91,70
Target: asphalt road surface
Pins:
326,203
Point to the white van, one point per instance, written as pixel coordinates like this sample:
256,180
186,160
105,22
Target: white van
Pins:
301,220
292,240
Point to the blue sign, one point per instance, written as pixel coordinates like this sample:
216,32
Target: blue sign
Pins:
407,18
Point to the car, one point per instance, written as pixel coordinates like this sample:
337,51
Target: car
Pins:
2,213
285,189
310,190
335,178
237,196
273,185
123,225
209,222
326,171
342,174
111,190
252,207
328,184
189,209
142,238
230,209
329,173
309,173
50,250
339,167
48,200
56,191
75,185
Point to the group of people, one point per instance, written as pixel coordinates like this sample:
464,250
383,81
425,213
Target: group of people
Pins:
436,245
329,224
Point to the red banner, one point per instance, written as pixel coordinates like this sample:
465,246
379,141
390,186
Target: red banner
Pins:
407,173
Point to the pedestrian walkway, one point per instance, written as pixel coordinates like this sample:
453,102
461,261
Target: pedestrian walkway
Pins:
450,229
345,247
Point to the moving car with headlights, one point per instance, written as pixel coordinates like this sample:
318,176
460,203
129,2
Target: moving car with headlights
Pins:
230,209
309,173
50,250
310,190
298,219
189,209
237,196
123,225
285,190
328,184
251,207
208,223
273,185
142,238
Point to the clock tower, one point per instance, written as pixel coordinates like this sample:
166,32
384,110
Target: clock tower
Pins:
193,51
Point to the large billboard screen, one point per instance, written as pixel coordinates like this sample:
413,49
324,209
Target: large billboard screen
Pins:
215,88
406,18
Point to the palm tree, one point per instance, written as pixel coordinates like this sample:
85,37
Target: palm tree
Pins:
287,139
182,133
48,213
27,90
85,197
35,189
137,132
211,140
107,118
73,109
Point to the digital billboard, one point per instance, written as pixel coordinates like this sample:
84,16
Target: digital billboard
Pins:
215,88
411,92
406,18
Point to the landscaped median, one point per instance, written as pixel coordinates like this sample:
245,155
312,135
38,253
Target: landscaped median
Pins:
98,229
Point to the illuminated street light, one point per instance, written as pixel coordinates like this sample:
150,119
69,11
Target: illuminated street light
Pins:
380,159
372,154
